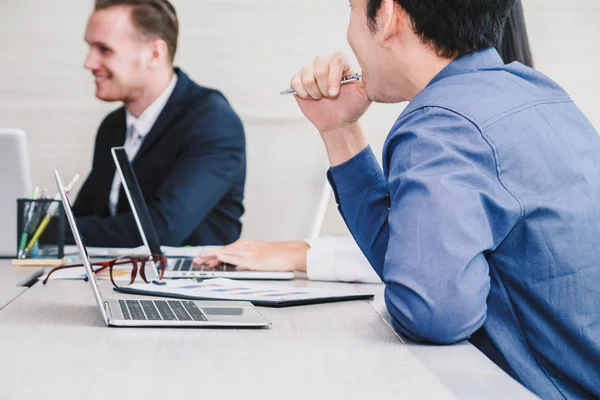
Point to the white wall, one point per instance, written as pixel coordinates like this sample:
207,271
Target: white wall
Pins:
249,49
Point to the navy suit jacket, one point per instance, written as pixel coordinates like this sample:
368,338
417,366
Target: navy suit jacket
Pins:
191,168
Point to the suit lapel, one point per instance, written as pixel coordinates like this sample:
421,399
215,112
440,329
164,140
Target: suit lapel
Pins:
170,111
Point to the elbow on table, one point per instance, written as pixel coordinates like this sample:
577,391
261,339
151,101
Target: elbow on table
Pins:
444,320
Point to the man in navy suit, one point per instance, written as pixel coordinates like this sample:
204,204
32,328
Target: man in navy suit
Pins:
185,142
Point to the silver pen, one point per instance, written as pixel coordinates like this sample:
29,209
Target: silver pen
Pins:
345,79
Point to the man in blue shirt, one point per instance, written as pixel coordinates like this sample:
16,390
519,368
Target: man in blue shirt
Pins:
486,217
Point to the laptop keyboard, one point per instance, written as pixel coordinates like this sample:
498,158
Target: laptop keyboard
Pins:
182,265
186,265
161,310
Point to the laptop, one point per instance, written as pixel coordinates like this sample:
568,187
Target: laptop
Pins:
176,267
15,182
144,312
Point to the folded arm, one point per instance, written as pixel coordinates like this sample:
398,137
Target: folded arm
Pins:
428,228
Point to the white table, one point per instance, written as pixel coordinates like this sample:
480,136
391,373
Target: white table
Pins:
13,281
462,368
53,341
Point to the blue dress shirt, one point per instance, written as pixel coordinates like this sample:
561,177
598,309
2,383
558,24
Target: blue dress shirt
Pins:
487,215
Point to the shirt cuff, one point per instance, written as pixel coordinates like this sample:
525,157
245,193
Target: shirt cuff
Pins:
320,263
354,175
338,259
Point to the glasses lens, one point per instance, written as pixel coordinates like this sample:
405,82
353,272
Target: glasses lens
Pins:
122,274
120,271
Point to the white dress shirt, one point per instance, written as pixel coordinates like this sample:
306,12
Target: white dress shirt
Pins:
338,259
137,130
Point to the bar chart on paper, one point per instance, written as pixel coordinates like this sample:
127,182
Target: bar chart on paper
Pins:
228,289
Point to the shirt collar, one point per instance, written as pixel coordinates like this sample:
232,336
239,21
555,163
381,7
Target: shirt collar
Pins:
477,60
145,122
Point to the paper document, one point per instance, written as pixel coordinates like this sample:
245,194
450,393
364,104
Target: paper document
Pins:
228,289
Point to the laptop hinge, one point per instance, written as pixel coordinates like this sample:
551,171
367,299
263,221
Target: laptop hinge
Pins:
107,309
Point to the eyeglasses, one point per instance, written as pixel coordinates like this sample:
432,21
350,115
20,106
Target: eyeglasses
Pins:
122,267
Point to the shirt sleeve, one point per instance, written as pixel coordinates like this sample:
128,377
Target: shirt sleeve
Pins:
338,259
428,227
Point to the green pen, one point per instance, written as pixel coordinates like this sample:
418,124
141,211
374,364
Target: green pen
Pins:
29,211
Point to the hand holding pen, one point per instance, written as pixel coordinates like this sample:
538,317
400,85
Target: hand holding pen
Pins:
345,79
333,98
329,93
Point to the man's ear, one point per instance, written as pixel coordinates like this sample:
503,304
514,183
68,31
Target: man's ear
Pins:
158,52
391,21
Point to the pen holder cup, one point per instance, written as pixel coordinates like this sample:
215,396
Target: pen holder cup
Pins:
40,228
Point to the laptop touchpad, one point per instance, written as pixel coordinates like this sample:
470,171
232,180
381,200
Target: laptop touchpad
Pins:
216,311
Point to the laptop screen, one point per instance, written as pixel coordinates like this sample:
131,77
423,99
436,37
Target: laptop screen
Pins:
85,259
136,200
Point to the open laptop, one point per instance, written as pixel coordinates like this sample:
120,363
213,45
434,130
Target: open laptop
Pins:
145,312
15,182
176,267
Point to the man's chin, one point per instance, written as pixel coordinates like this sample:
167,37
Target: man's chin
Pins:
108,97
380,97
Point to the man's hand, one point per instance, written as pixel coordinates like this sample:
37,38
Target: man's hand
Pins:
258,256
323,100
334,109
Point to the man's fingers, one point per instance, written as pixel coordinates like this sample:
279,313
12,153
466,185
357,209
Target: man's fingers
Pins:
308,82
336,70
207,254
230,247
321,72
296,84
212,263
346,69
322,78
203,258
233,259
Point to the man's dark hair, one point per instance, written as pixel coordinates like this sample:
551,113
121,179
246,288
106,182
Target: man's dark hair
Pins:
515,41
152,18
452,27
